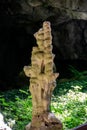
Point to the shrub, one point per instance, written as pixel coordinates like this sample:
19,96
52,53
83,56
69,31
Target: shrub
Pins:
71,107
69,103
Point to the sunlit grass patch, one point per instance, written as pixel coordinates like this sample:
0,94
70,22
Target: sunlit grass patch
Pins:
69,103
71,108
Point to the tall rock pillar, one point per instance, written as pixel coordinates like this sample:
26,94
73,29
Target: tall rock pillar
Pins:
42,82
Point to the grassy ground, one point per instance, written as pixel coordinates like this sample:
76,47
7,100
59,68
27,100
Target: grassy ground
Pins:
69,103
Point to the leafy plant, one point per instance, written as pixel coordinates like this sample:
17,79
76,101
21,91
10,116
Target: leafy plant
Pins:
71,107
77,74
69,103
18,109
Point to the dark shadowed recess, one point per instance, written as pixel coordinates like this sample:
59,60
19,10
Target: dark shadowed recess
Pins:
16,42
63,67
15,52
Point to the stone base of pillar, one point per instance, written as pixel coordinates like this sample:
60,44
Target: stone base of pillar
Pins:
45,121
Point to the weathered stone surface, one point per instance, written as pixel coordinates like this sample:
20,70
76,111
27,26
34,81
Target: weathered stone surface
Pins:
46,121
71,38
66,16
42,81
20,19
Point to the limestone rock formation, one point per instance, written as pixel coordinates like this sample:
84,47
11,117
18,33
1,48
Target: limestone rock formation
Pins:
42,82
68,18
19,20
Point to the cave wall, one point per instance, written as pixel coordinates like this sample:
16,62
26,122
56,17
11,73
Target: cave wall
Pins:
19,20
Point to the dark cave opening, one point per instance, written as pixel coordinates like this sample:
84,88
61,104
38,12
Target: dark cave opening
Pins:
16,44
15,52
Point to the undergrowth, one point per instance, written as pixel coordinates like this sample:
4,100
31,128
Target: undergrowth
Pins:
69,103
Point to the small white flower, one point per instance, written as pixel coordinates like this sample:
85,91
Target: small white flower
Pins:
11,123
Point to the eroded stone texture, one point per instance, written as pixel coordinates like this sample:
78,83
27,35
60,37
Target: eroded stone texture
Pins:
42,82
19,19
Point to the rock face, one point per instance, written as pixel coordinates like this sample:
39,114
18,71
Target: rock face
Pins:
20,19
42,82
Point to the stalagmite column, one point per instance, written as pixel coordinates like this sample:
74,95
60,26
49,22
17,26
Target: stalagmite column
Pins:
42,82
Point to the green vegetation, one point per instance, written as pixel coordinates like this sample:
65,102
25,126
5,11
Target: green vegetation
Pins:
69,103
